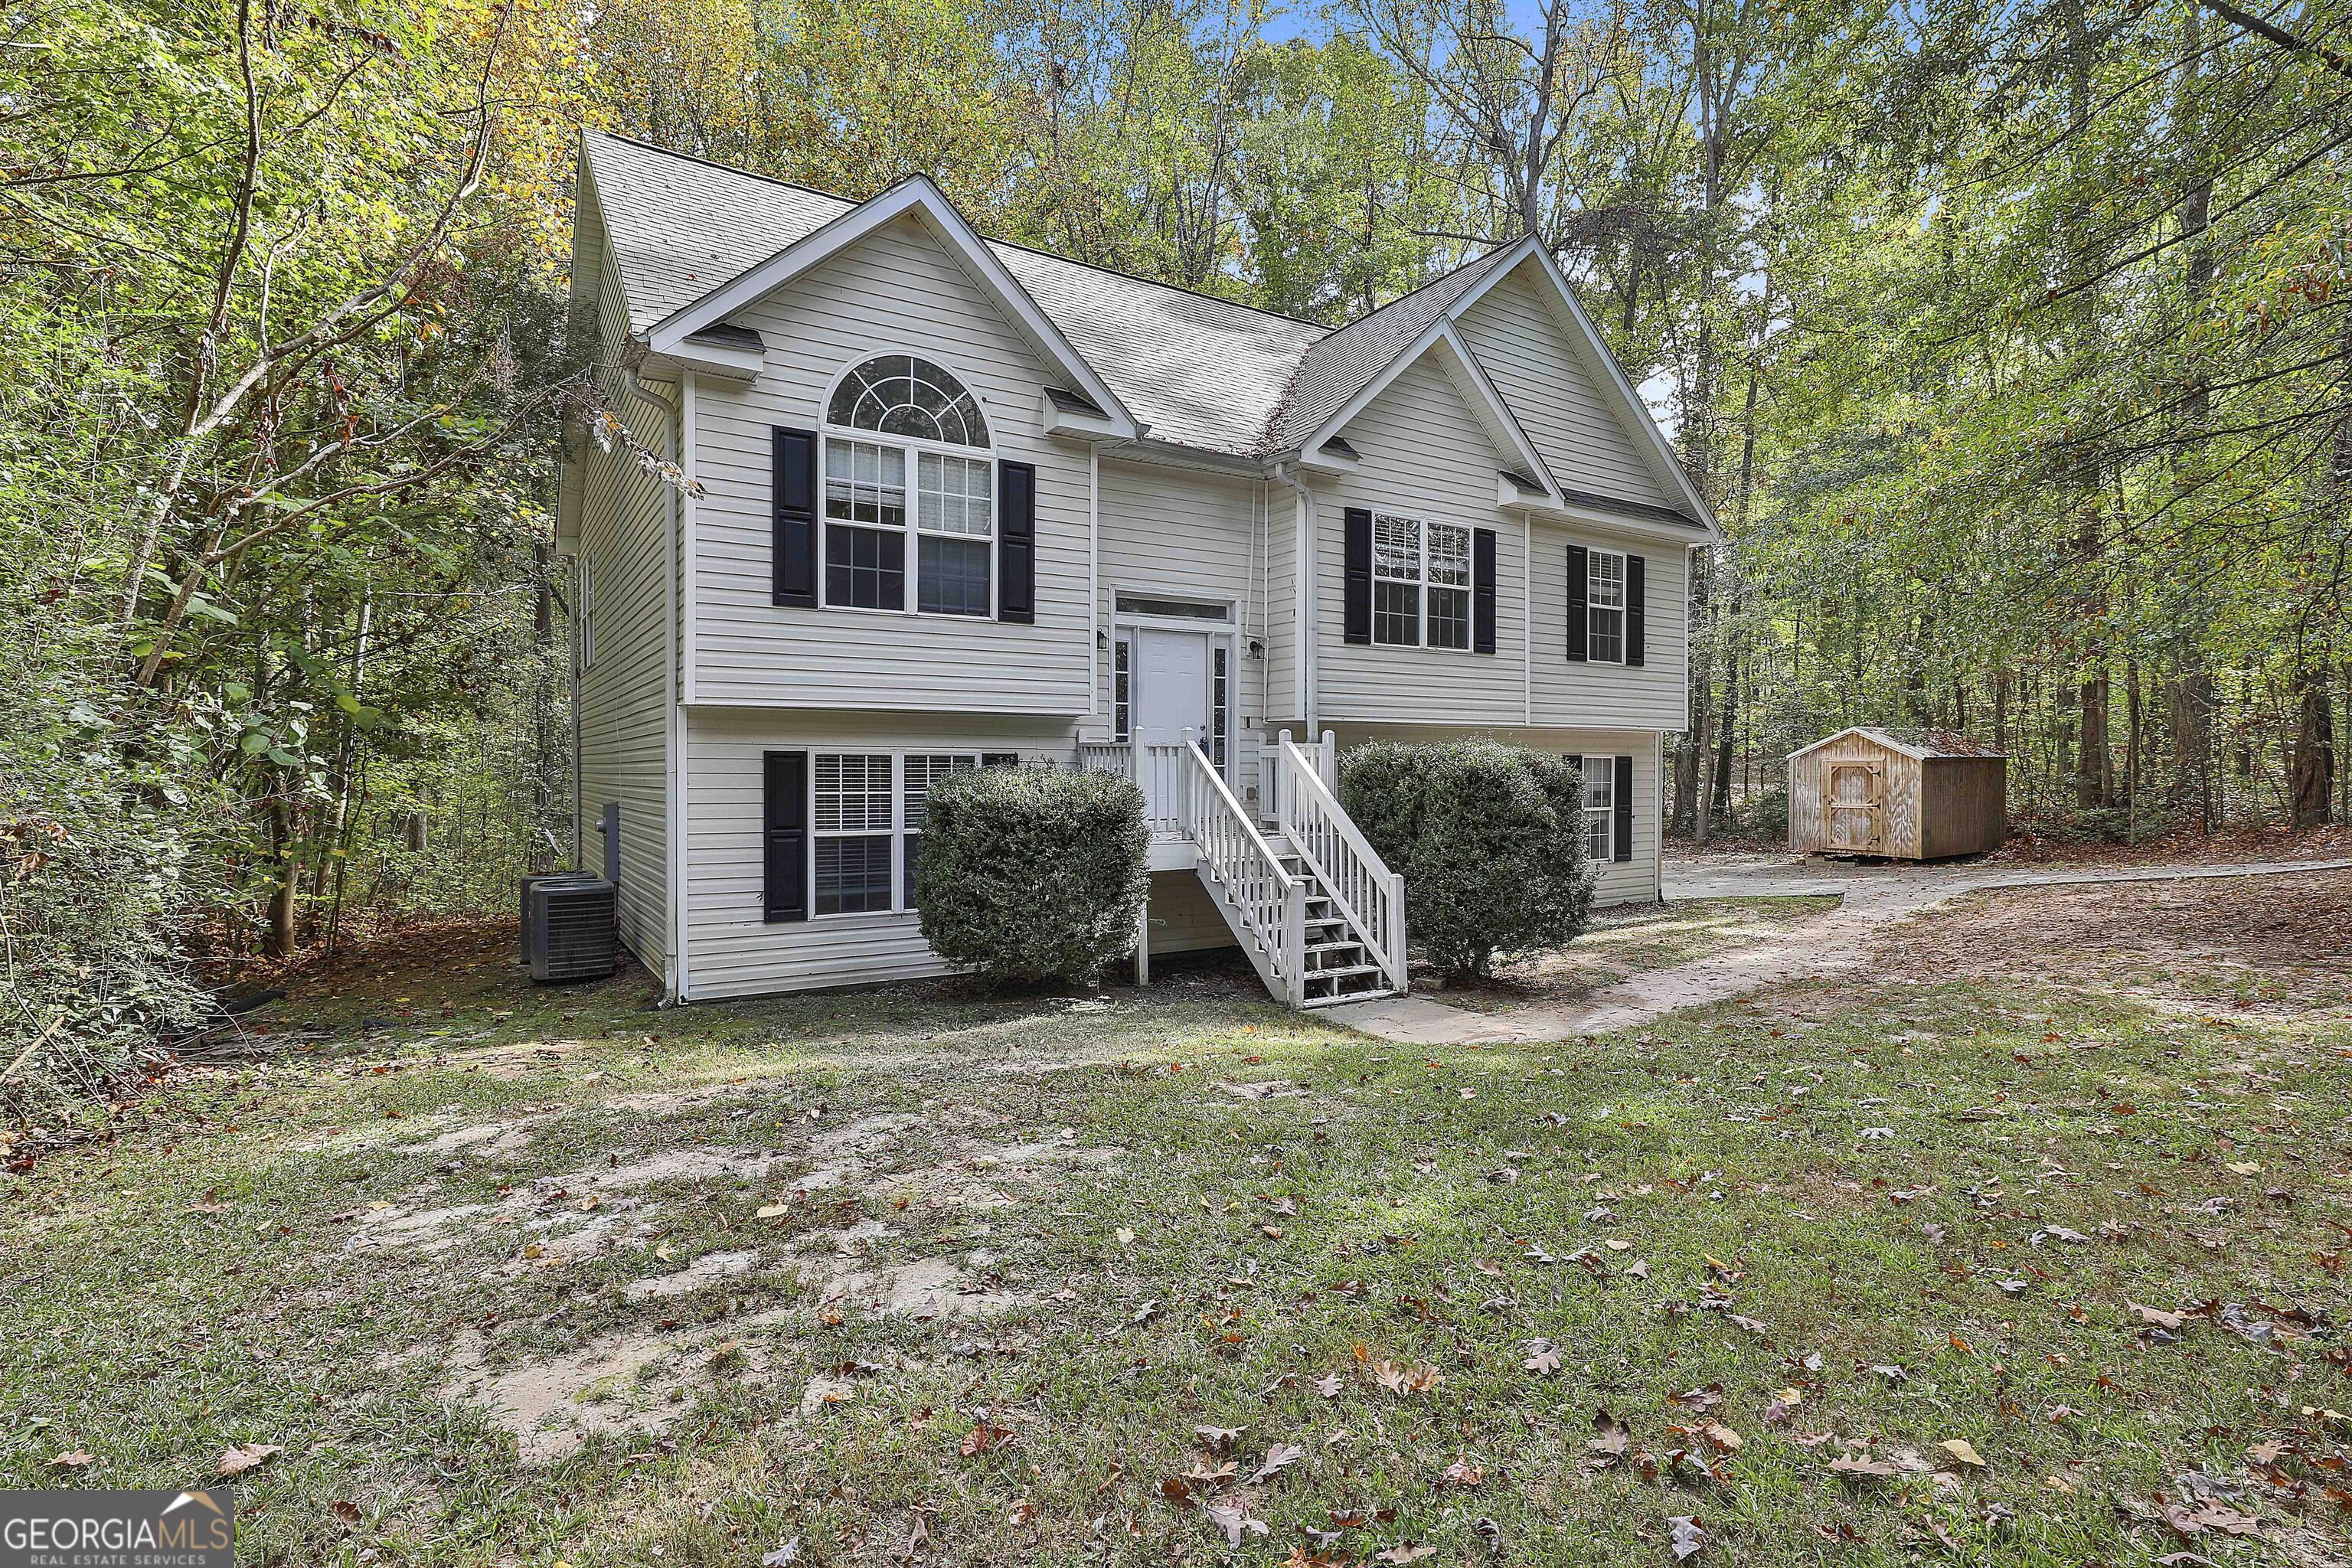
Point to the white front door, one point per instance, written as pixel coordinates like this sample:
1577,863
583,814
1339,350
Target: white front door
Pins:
1171,695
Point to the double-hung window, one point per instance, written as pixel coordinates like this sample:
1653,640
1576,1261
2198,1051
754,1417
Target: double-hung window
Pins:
1421,581
924,769
1605,602
855,831
1600,809
867,816
894,422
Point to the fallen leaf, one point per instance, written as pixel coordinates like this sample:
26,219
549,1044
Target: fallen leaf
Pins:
1278,1458
1610,1436
348,1512
1861,1465
1235,1521
2157,1316
983,1437
1416,1379
1687,1538
237,1460
1406,1552
1461,1473
2196,1517
1543,1360
1126,1236
76,1461
1959,1448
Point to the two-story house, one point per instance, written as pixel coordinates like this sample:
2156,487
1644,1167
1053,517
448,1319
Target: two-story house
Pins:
941,501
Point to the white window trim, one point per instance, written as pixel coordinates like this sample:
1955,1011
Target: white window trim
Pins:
1422,586
1602,769
914,446
1593,556
899,909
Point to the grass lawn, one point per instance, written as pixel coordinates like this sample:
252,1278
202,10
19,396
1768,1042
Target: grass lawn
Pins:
1621,943
1940,1266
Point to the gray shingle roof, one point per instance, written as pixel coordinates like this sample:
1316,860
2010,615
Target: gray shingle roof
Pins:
1198,372
1345,361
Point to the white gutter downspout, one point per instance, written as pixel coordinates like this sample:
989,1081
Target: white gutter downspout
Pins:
1303,681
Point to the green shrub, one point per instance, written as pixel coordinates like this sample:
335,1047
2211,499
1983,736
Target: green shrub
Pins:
1768,815
1033,874
1490,839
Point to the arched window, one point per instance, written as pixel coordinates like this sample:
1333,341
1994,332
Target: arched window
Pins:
888,417
898,395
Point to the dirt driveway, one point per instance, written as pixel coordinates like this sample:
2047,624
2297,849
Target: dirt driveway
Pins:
1872,898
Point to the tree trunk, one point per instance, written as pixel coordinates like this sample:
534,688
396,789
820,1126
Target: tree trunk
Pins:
2094,760
1725,729
2188,704
285,894
2311,769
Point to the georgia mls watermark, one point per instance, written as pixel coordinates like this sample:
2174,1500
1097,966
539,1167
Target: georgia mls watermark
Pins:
117,1530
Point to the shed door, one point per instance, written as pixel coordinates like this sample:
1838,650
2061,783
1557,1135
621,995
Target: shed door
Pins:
1857,806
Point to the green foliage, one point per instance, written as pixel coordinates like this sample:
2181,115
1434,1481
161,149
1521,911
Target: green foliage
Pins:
101,862
1033,874
1490,839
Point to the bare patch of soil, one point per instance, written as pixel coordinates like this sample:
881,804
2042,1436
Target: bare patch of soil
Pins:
630,1385
1621,943
2255,942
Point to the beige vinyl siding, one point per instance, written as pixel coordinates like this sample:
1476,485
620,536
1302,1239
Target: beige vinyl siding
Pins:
1534,365
733,950
1183,917
1183,533
1567,693
624,694
1424,455
1282,649
1633,881
896,291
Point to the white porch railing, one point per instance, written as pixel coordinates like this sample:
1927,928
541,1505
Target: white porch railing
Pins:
1104,757
1157,769
1366,893
1266,903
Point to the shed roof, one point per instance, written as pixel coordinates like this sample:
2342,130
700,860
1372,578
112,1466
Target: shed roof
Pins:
1921,743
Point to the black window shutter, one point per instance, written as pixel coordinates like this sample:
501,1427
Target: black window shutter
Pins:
794,497
1636,600
1356,623
785,819
1622,795
1580,596
1016,542
1482,590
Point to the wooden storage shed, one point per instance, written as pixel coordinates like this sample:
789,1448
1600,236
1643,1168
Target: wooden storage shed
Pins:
1918,795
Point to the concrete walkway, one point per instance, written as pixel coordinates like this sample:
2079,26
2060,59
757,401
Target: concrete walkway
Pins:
1828,945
